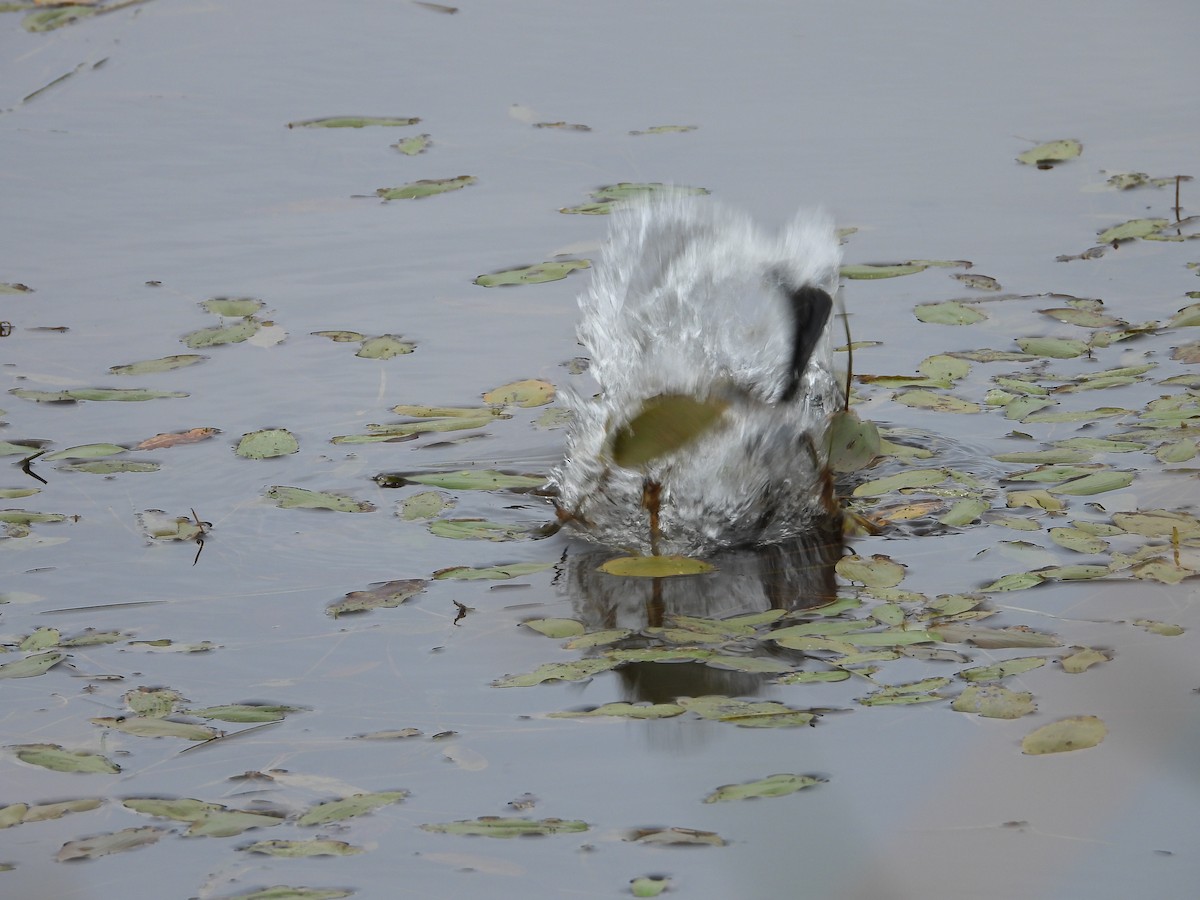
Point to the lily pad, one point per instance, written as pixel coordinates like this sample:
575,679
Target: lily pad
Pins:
677,837
233,307
554,270
114,842
267,443
1054,348
222,334
912,478
481,530
1078,540
245,712
23,813
425,505
665,424
872,271
31,666
624,711
111,467
772,786
127,395
304,849
1044,156
1134,228
923,399
994,701
1005,669
1165,629
385,346
476,479
498,827
85,451
1080,659
579,670
655,566
490,573
385,595
608,196
57,759
349,807
355,122
555,628
1073,733
528,393
154,366
414,145
143,726
853,442
426,187
949,312
877,571
747,714
301,498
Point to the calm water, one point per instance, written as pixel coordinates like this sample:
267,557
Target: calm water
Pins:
164,157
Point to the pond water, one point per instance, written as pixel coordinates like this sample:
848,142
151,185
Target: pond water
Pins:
149,168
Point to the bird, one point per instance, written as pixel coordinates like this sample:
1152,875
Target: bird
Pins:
710,346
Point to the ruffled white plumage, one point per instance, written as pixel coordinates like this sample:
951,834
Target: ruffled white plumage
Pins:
689,297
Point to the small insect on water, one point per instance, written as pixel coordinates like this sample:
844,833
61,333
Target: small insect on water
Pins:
710,342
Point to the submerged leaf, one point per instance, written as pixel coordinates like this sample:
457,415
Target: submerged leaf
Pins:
490,573
113,842
154,366
386,595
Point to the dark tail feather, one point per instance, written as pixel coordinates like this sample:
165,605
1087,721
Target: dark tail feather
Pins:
810,307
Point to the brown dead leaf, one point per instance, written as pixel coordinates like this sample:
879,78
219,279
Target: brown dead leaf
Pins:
191,436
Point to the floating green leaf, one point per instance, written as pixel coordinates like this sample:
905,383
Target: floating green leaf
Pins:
878,571
414,145
31,666
349,807
772,786
1078,540
50,19
1080,659
355,122
154,366
1096,483
497,827
23,813
85,451
923,399
114,842
28,517
222,334
949,312
912,478
481,530
872,271
994,701
96,394
267,443
1161,628
425,505
993,638
245,712
1073,733
300,498
205,819
556,628
1054,348
426,187
341,337
1005,669
385,346
964,512
490,573
233,307
648,885
612,194
405,430
385,595
57,759
143,726
666,129
1044,156
579,670
528,393
624,711
1134,228
303,849
554,270
747,714
111,467
853,442
655,566
476,479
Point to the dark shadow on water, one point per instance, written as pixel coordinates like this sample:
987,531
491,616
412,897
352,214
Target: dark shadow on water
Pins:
792,576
